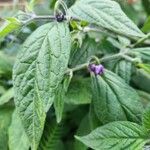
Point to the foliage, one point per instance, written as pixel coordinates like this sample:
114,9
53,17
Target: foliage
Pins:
74,75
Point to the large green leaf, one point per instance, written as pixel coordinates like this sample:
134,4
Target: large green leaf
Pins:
38,71
106,14
113,99
116,136
17,137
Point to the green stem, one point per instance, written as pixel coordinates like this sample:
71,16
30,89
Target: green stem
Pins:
85,65
142,40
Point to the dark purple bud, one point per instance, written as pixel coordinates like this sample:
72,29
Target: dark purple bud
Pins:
97,69
59,17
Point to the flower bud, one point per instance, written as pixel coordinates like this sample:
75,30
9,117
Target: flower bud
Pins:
96,69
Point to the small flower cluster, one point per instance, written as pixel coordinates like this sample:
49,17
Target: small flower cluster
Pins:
96,69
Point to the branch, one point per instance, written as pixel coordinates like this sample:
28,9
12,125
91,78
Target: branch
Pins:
104,59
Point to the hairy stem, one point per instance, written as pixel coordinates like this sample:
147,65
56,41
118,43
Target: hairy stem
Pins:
104,59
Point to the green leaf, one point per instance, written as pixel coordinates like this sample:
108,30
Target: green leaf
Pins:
17,137
82,55
8,95
5,120
6,65
124,70
82,130
79,92
106,14
143,52
146,67
146,27
59,103
9,26
38,71
116,136
142,80
93,119
114,100
51,136
146,118
146,4
145,97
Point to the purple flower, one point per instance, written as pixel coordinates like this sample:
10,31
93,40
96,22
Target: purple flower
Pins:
97,69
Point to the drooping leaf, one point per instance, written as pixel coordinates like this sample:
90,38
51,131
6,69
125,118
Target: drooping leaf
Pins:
116,136
79,92
124,70
8,95
9,25
59,103
114,100
38,71
17,137
5,120
106,14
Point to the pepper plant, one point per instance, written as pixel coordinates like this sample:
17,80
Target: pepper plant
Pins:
80,80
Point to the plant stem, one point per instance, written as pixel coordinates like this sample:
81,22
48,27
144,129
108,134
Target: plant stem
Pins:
142,40
85,65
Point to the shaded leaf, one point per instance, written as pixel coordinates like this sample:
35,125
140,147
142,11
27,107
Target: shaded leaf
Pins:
79,92
8,95
142,80
51,136
17,137
5,120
